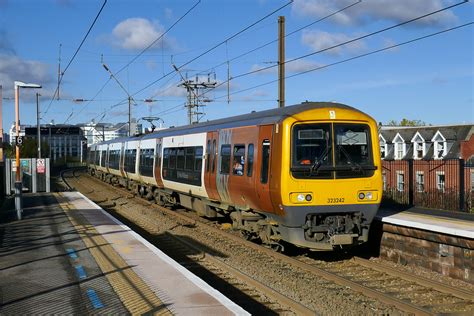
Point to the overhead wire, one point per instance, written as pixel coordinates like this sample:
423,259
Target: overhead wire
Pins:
208,51
215,46
74,56
288,34
141,53
354,57
342,43
354,39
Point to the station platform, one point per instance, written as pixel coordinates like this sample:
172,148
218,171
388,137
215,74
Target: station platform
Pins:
437,240
68,256
450,223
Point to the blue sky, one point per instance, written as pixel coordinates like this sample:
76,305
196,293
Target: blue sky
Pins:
429,80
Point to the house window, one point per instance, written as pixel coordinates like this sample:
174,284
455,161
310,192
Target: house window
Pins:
383,147
400,181
384,179
439,148
420,181
418,150
399,152
439,145
440,181
382,150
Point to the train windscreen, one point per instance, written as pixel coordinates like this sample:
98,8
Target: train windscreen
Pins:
331,150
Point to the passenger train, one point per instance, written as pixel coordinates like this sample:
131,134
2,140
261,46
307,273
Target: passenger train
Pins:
309,174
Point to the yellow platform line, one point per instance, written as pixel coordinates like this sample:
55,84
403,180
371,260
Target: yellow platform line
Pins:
134,293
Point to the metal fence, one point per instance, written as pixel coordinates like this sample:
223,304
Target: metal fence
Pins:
440,184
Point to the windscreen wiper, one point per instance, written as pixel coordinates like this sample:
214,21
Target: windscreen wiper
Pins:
354,165
318,161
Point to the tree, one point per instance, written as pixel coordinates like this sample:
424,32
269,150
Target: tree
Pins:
407,122
29,149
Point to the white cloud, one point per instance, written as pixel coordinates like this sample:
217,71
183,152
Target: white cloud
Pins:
301,65
169,13
296,66
376,10
171,90
319,40
139,33
13,68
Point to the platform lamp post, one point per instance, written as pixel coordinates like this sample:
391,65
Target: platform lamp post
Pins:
18,183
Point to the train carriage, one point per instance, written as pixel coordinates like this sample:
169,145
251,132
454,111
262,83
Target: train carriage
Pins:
308,174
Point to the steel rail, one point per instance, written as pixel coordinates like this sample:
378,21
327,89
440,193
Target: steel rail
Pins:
436,285
296,307
330,276
269,292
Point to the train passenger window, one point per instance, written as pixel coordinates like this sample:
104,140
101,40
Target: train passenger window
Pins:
250,160
213,153
172,163
238,162
146,162
180,158
130,160
102,158
208,149
265,161
198,159
225,159
189,162
166,157
114,159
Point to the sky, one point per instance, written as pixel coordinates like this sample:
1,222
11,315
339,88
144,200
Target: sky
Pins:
234,43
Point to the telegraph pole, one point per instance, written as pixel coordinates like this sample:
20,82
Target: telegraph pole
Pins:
281,61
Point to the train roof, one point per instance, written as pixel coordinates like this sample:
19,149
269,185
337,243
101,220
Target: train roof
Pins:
271,116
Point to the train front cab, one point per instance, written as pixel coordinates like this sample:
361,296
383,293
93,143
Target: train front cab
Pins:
331,182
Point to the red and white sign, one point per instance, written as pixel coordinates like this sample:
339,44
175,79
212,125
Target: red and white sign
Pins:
40,168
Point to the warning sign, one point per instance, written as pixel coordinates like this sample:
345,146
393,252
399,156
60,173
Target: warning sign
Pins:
40,168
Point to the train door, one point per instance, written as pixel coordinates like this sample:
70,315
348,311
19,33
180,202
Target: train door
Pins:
210,170
263,168
122,158
158,156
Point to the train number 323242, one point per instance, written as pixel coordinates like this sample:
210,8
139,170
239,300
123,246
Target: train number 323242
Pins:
335,200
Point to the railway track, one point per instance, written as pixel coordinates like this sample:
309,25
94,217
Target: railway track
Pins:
405,292
200,260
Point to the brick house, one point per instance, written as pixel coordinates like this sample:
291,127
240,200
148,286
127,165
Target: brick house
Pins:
429,166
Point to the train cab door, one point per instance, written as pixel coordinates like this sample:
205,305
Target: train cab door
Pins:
210,169
262,181
157,168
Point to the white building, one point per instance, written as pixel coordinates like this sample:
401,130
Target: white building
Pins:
98,132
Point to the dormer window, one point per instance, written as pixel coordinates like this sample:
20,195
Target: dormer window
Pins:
439,143
383,147
400,148
418,146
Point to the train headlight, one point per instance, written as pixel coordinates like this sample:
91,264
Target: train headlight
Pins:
301,197
367,196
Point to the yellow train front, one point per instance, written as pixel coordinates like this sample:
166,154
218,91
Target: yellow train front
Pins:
329,186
